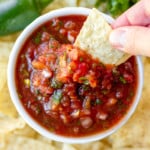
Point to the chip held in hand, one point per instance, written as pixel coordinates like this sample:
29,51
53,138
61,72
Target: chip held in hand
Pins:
94,38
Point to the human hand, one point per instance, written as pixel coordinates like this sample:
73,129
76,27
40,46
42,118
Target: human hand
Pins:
131,32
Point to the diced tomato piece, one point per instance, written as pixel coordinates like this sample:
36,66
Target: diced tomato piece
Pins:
38,65
73,65
92,79
45,36
76,75
69,25
73,54
63,75
128,77
83,67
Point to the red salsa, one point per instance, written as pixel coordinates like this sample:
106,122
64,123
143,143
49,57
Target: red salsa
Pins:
66,90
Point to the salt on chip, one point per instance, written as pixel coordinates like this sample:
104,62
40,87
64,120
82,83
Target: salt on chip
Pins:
94,38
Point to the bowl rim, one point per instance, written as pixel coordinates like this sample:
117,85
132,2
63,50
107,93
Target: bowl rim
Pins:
15,98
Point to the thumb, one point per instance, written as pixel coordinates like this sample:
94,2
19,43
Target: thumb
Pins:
134,40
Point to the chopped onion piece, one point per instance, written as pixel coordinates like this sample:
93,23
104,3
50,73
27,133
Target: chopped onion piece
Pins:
102,115
111,101
86,122
46,74
75,113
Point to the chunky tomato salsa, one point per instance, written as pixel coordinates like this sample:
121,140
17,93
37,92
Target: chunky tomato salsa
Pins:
66,90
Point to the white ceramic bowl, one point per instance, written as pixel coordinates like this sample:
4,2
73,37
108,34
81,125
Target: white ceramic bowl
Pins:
12,87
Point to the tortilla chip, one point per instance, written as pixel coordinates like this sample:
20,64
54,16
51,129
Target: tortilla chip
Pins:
97,145
2,141
94,38
56,4
26,131
131,148
5,49
6,105
8,124
24,143
10,37
68,147
4,54
11,141
3,76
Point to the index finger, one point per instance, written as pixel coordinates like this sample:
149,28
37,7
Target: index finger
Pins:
139,14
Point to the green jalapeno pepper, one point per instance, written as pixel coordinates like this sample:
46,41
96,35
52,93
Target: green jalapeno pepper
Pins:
116,7
15,15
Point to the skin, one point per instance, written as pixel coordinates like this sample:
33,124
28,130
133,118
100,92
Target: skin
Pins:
131,31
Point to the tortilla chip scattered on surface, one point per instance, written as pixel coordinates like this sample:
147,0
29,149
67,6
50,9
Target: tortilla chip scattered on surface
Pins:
5,49
24,143
8,124
94,38
6,105
3,76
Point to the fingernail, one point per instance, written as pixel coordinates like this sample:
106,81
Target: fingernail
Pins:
118,38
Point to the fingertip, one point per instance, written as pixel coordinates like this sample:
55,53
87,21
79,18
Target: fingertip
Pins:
117,38
113,25
133,40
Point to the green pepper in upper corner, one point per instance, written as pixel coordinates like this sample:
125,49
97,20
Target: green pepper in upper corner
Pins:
116,7
15,15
